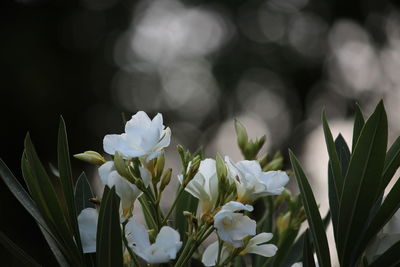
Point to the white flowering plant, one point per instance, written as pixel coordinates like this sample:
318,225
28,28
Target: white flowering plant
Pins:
224,213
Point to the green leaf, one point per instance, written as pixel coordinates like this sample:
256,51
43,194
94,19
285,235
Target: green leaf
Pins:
46,198
343,153
67,181
83,192
55,248
386,211
308,251
109,239
334,163
358,125
26,201
313,217
390,258
296,250
361,185
392,163
18,252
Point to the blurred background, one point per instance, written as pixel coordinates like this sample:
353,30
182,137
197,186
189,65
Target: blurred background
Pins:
273,64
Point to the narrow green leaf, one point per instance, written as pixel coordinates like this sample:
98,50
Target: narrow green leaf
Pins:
333,158
313,217
109,239
55,248
18,252
392,163
308,251
285,243
83,192
386,211
26,201
49,200
361,185
390,258
343,153
67,181
358,125
296,250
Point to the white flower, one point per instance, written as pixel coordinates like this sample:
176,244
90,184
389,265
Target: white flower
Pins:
252,182
297,264
255,245
127,191
210,255
164,249
387,237
87,223
231,226
142,137
204,185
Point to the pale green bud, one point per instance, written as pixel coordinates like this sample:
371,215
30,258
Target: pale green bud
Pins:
241,134
166,178
120,165
91,157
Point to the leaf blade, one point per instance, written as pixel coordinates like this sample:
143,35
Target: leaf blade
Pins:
362,180
313,216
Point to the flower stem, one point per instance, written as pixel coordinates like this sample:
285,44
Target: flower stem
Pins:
181,189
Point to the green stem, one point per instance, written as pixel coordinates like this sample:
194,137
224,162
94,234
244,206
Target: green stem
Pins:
193,244
181,189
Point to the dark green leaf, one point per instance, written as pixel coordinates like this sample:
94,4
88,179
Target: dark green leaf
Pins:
390,258
296,250
358,125
18,252
109,239
67,182
308,251
313,217
83,192
392,163
361,185
384,214
42,189
55,248
343,153
23,197
334,163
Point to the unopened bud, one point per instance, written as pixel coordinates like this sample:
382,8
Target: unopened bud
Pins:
275,164
241,134
166,178
222,171
120,165
264,160
282,222
91,157
159,168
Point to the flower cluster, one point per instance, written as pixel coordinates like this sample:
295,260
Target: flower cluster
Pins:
225,191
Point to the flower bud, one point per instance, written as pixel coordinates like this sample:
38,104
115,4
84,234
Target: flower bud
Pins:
120,165
91,157
166,178
264,160
275,164
241,133
193,167
282,222
222,171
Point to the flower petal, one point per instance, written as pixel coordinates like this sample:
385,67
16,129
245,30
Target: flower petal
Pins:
210,255
266,250
87,222
137,235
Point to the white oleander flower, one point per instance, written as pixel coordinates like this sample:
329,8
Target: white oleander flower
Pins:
210,255
252,182
387,237
143,137
297,264
255,246
232,226
164,249
126,191
204,185
87,223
